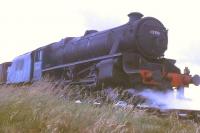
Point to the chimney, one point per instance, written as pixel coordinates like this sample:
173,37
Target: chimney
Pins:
133,16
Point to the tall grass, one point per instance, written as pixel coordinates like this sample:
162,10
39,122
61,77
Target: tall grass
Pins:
34,108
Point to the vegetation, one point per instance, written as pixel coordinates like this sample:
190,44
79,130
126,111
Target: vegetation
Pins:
34,108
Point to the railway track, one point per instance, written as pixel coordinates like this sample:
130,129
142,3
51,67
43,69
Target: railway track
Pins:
183,114
123,100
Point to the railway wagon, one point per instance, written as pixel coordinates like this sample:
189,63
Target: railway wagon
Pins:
3,72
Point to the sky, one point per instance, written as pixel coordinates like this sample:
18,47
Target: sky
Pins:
28,24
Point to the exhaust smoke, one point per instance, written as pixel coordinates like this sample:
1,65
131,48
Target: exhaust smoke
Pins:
169,100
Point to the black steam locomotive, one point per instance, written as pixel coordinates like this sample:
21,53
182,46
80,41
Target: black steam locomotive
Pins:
129,55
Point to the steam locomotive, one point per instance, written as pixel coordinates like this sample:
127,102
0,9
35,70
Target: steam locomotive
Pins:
130,55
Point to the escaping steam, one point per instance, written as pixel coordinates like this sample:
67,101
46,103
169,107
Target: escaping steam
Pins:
162,100
168,100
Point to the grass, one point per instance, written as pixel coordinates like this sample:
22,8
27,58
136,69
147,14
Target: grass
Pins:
35,109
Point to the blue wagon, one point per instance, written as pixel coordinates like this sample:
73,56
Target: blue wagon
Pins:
26,68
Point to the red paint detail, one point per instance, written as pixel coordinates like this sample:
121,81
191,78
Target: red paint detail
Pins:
147,77
176,79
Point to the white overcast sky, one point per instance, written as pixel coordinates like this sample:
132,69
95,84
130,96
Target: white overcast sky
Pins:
28,24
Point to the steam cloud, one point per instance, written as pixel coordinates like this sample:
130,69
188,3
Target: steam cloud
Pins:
168,100
162,100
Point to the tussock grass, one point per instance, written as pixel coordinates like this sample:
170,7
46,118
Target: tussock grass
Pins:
34,108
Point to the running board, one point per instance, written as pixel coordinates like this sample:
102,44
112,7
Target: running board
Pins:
81,62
